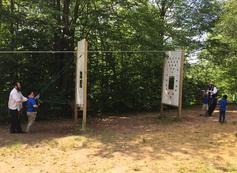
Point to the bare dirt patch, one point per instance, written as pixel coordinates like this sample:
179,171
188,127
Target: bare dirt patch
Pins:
135,143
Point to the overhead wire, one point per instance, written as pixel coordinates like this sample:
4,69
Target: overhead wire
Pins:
65,68
74,51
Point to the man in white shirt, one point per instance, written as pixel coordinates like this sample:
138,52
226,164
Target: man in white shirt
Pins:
213,91
212,99
15,105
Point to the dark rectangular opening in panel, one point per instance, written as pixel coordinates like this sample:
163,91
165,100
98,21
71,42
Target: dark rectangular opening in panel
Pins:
80,79
171,82
80,74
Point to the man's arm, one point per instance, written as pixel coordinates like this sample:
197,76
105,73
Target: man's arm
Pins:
16,98
23,99
34,104
214,90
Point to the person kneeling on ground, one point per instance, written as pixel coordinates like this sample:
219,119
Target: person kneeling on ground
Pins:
31,110
223,104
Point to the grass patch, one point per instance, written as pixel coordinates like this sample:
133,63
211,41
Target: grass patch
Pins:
79,130
53,143
72,142
15,147
136,144
230,168
107,136
204,168
234,122
168,119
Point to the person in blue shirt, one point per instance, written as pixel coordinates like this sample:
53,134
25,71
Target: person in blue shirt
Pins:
31,110
223,104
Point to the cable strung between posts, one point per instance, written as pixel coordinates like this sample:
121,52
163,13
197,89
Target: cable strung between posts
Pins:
58,75
90,51
126,51
54,79
36,52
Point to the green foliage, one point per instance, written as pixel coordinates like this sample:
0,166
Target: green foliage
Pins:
118,82
219,53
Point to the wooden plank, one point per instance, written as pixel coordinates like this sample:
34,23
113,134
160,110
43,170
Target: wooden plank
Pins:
76,81
85,87
161,104
181,85
75,114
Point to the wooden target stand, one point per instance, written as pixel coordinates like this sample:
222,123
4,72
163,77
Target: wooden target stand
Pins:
81,82
169,92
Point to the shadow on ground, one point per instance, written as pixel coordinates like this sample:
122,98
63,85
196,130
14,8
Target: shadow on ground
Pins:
139,136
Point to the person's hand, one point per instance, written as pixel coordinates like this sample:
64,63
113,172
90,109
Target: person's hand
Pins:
24,99
37,97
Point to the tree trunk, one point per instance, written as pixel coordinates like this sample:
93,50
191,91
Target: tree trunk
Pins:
64,40
12,30
65,21
65,45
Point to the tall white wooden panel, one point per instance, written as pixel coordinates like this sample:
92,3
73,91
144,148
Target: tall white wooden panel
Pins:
80,72
172,78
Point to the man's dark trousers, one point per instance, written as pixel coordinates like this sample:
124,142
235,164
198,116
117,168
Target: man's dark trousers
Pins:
222,116
212,106
15,121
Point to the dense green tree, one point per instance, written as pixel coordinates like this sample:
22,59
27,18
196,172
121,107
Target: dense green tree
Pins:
220,51
118,81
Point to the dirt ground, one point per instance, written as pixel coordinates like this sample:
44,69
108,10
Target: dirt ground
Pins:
120,144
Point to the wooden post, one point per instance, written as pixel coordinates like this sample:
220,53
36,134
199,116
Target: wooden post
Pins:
181,85
161,104
75,113
85,88
161,109
75,104
81,77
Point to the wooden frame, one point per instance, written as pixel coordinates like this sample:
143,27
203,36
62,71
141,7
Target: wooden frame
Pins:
181,85
82,106
179,113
